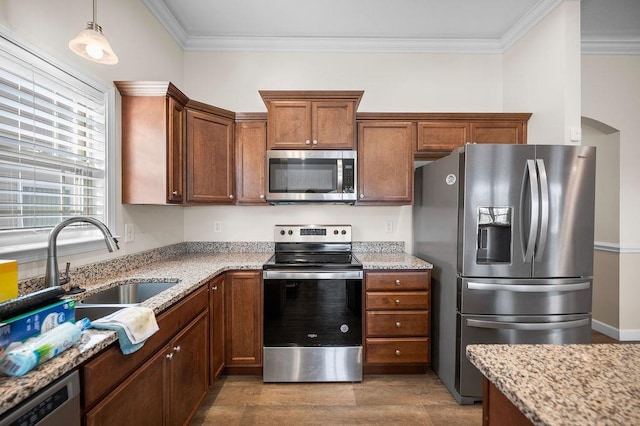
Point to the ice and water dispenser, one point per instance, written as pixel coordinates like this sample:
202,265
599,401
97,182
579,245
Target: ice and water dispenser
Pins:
494,235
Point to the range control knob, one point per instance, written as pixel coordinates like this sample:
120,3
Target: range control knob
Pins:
290,232
335,232
344,232
282,232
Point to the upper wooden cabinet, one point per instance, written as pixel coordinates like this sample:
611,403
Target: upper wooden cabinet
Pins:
440,133
210,170
153,142
251,146
385,162
311,119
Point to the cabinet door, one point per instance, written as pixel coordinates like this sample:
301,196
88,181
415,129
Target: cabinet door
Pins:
217,326
441,137
243,337
333,125
385,162
209,158
176,147
508,132
187,357
289,125
251,148
139,399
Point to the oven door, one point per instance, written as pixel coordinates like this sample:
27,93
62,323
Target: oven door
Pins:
312,326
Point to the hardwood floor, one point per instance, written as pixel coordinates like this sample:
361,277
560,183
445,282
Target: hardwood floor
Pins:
413,399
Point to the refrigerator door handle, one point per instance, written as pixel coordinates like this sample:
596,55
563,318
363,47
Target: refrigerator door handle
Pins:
544,210
535,209
530,326
529,288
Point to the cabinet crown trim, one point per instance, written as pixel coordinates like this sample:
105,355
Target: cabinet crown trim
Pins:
444,116
150,88
311,95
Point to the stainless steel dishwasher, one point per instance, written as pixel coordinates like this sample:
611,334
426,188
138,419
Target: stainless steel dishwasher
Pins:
57,404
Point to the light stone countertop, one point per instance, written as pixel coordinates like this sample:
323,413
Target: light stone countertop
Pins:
594,384
193,270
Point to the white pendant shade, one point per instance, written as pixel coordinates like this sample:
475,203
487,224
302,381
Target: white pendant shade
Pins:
91,44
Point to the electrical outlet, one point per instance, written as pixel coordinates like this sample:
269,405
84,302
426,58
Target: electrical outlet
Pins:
129,232
217,226
388,226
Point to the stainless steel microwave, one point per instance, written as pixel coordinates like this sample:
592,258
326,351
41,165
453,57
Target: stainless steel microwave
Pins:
311,176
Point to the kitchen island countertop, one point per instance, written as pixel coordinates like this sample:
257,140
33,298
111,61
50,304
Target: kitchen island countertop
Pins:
192,270
566,384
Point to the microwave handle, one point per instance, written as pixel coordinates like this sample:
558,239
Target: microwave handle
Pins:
340,188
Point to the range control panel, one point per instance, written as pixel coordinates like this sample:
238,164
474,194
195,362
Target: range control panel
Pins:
312,233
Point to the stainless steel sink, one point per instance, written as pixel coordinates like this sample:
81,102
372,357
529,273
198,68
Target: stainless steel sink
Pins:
112,299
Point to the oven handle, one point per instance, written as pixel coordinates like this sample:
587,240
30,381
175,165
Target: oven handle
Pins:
311,275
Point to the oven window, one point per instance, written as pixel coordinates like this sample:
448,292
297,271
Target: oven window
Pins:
308,175
312,312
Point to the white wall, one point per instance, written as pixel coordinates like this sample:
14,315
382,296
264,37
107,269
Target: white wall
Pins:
145,51
391,82
542,75
610,93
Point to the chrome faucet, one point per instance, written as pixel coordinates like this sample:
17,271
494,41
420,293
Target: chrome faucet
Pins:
52,274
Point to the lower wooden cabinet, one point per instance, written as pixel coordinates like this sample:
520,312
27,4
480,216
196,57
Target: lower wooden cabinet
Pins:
164,382
217,327
243,333
397,320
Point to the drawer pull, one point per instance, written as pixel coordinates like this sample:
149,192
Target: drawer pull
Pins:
397,301
398,325
397,352
397,282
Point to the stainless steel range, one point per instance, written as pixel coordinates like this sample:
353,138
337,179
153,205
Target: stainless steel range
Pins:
312,306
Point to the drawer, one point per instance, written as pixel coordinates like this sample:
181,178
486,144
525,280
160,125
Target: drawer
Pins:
400,323
398,351
394,281
399,300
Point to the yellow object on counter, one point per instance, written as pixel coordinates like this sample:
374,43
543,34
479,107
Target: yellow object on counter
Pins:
8,280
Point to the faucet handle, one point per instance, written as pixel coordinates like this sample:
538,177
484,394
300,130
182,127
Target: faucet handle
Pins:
65,278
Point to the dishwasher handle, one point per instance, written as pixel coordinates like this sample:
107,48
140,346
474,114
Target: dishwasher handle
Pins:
528,326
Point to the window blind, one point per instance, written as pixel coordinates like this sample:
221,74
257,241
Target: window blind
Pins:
52,147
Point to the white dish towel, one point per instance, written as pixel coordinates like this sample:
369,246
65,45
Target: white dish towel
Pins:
137,323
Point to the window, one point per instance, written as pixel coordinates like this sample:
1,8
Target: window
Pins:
53,157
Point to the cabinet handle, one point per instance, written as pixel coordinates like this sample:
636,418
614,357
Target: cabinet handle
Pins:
315,142
175,193
361,195
169,356
398,325
231,196
214,288
397,301
397,352
397,282
262,196
308,142
176,349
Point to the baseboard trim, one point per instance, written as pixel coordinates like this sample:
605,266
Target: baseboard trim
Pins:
615,333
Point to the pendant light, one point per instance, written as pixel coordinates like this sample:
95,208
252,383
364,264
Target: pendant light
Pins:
92,45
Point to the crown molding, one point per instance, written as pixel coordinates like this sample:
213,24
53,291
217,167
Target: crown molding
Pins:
527,22
610,47
379,45
341,44
168,21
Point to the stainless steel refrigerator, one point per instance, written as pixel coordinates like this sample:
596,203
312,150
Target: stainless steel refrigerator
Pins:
509,230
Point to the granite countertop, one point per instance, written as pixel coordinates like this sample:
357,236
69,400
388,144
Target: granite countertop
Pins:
192,270
566,384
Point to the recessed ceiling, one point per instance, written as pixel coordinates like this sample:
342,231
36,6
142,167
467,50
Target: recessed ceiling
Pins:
486,26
